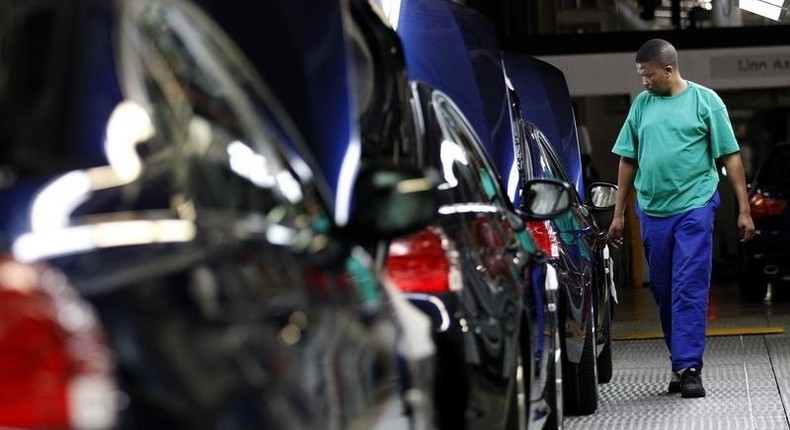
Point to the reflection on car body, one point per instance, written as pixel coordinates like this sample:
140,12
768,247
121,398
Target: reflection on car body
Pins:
478,354
572,241
477,261
202,241
577,255
454,49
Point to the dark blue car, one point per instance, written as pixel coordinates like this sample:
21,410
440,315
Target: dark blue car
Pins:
451,52
574,242
480,333
171,256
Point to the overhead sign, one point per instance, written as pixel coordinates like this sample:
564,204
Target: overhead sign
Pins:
749,66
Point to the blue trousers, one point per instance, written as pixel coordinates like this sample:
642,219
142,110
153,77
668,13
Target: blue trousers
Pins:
679,251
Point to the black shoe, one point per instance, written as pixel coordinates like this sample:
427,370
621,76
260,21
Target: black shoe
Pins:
691,383
674,383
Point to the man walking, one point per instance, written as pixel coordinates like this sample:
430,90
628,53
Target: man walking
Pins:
673,137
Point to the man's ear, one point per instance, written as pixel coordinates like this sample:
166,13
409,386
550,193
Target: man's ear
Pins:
669,69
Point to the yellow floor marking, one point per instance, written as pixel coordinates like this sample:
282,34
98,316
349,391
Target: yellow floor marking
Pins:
723,331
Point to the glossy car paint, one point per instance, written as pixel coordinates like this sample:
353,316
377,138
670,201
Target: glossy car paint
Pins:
542,95
225,293
577,264
485,56
574,260
299,47
454,49
582,254
436,54
479,351
480,322
546,102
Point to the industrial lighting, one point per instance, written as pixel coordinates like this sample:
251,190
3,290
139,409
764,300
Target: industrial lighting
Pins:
772,9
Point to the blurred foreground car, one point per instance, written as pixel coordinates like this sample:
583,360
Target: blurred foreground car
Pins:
168,259
766,258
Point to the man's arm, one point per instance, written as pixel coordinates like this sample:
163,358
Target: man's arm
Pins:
737,178
626,171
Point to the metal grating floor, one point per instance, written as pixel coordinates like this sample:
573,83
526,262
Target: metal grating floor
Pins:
747,379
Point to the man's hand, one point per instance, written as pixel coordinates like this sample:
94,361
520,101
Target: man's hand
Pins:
745,227
738,180
615,234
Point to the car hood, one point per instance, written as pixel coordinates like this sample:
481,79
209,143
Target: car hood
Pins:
546,102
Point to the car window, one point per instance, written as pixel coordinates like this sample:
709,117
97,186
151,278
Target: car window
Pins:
524,154
776,168
218,126
550,159
462,142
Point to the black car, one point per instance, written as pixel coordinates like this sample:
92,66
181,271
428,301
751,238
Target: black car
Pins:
472,268
168,259
475,270
764,259
574,243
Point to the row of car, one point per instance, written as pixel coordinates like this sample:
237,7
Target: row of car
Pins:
299,214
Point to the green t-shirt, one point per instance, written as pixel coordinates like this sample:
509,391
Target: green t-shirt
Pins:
676,140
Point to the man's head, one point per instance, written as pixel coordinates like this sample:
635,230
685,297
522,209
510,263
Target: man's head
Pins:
657,64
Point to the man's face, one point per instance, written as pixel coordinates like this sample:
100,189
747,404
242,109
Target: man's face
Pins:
655,77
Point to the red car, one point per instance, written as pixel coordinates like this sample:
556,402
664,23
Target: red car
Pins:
765,259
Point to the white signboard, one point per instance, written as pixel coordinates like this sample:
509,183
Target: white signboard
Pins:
742,66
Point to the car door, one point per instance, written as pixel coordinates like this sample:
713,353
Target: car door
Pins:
493,262
576,231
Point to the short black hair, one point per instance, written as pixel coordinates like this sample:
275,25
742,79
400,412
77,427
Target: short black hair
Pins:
657,51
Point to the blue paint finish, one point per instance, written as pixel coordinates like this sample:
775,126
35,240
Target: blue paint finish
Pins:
436,54
546,102
87,92
485,56
101,90
15,210
327,81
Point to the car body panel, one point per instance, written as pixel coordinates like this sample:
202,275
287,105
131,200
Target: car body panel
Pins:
308,46
477,364
453,48
582,256
581,260
227,295
546,102
575,260
436,54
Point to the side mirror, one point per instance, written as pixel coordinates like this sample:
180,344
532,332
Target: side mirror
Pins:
392,202
602,195
545,198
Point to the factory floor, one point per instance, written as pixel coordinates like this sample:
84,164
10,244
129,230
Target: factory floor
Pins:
746,368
